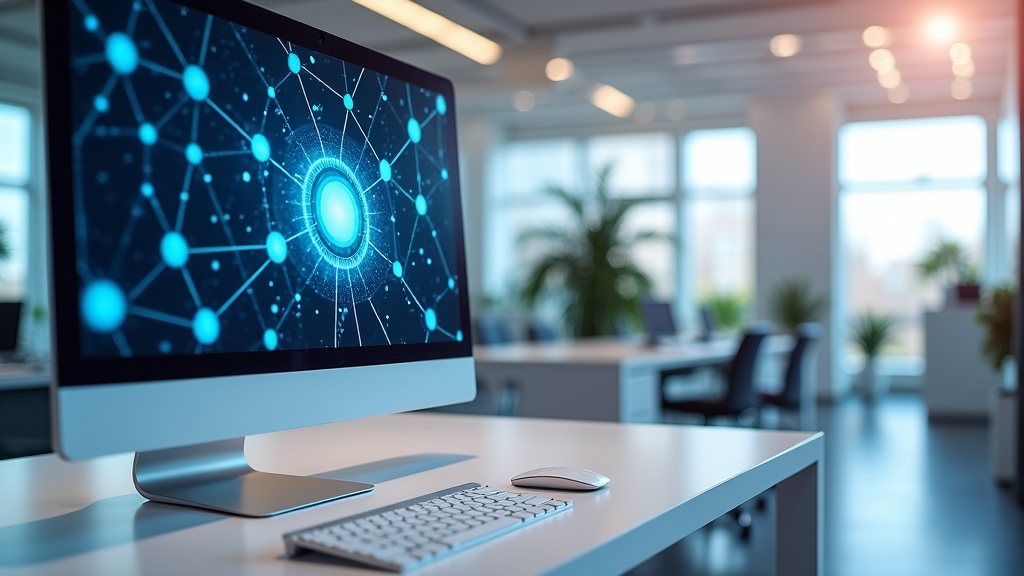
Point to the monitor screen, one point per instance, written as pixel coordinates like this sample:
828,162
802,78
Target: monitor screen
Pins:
235,195
236,192
658,319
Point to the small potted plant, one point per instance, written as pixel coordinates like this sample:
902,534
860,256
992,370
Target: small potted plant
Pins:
949,263
793,304
996,316
729,309
871,333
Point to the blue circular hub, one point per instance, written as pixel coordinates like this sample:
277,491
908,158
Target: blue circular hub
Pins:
338,212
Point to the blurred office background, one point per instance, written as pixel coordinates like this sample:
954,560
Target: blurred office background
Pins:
832,144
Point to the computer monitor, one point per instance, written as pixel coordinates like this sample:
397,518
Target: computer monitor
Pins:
256,226
659,323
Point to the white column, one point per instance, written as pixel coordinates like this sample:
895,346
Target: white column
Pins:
797,212
477,138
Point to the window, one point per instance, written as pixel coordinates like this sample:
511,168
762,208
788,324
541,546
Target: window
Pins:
719,176
15,125
642,168
905,185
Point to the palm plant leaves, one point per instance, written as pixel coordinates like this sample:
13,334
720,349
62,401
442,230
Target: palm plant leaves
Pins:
585,261
871,332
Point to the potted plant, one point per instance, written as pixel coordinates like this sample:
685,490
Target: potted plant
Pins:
585,264
996,316
871,333
949,263
793,304
729,309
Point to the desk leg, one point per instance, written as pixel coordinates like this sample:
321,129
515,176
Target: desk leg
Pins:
800,524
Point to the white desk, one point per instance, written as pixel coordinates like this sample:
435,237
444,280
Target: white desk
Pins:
605,379
667,481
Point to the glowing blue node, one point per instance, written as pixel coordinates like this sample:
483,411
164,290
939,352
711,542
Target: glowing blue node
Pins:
261,147
312,60
174,249
104,306
147,134
298,297
421,205
207,178
348,101
293,63
206,326
215,265
270,339
413,127
441,105
444,173
458,336
121,53
101,103
430,317
147,189
274,308
338,213
385,170
246,176
277,247
92,23
197,84
451,283
271,93
193,153
397,269
183,196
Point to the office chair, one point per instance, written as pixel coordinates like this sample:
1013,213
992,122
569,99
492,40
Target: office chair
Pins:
539,331
789,398
739,396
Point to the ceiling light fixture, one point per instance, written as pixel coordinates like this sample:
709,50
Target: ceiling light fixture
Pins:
876,37
612,101
437,28
785,45
523,101
559,69
882,60
890,79
961,88
941,29
899,94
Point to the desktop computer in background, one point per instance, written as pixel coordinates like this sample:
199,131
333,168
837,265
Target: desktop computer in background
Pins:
256,226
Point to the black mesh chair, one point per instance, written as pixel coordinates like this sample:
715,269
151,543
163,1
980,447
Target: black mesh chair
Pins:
739,395
789,398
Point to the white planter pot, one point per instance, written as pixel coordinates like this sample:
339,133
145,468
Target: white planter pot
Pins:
872,384
1003,436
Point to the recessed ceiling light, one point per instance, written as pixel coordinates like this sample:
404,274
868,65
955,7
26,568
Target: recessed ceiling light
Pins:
644,112
882,60
785,45
890,79
559,69
523,101
961,88
876,37
959,52
941,29
899,94
437,28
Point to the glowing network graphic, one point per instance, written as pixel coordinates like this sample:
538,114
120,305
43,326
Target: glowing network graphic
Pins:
234,192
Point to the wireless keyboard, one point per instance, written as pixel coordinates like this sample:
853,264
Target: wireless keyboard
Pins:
411,534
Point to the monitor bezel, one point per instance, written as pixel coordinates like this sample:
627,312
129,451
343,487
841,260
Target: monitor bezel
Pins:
70,367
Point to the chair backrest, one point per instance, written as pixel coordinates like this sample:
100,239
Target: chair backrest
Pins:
739,393
490,330
807,336
539,331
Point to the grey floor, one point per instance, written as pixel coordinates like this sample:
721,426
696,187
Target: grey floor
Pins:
903,497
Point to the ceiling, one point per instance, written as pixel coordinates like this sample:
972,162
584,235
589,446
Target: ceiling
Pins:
707,57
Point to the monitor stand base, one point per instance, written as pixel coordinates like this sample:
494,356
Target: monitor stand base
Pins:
216,476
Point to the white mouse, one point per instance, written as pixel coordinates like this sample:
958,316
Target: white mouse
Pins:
561,479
